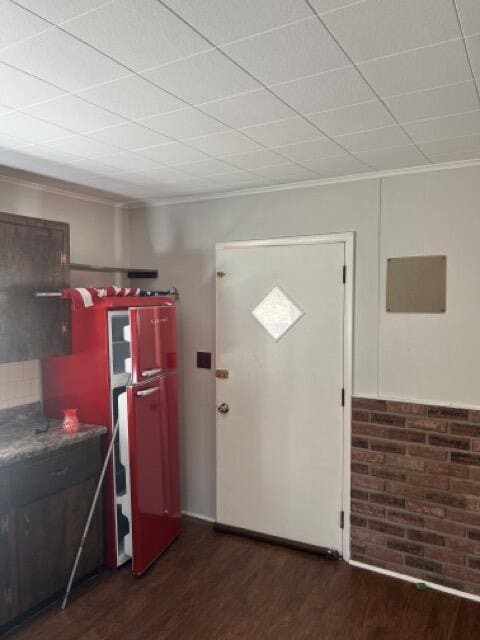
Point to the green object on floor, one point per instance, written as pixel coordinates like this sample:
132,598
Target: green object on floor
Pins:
421,586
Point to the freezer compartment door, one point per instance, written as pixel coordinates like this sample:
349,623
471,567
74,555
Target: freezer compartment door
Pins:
153,488
153,341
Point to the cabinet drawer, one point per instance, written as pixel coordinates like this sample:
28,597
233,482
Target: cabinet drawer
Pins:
38,478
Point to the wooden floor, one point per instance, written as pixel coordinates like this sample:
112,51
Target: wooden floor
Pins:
215,586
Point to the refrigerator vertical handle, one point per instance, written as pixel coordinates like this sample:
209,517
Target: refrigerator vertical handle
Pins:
148,373
146,392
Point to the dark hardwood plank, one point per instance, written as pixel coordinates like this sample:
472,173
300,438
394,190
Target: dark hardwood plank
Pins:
216,586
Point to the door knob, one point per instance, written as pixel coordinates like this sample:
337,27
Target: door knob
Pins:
223,408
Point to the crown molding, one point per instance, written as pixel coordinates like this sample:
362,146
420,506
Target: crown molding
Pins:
307,184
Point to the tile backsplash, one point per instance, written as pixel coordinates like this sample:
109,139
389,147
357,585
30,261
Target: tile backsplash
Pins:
19,383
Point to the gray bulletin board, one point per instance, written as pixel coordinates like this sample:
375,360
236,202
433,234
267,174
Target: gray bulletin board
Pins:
417,284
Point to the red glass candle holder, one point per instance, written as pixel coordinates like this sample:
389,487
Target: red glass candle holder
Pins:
70,422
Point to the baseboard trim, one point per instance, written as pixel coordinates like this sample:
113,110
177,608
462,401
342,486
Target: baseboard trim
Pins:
198,516
407,578
330,554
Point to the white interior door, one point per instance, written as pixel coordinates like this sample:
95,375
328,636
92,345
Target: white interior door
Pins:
280,336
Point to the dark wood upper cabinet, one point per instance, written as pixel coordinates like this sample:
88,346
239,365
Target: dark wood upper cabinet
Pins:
34,256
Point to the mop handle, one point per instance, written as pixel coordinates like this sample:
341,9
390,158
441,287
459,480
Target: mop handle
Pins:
90,516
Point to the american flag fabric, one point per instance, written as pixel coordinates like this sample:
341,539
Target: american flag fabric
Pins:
88,296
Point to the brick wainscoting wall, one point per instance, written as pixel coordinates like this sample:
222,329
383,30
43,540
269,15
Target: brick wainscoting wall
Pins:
416,491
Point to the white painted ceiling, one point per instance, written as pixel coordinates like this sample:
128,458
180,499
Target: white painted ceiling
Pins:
159,99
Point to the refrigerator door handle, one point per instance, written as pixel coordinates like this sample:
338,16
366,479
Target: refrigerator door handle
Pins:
146,392
148,373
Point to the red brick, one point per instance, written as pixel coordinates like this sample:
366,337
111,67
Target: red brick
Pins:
422,563
405,546
427,452
360,443
405,463
475,474
444,526
426,536
360,416
388,474
444,555
388,447
407,407
368,482
446,469
460,545
426,509
462,429
368,404
388,419
402,489
473,534
374,430
426,424
474,563
462,573
357,521
434,482
383,498
385,527
476,446
474,416
465,458
466,517
367,456
388,555
448,412
462,486
449,442
406,435
357,467
405,517
366,535
359,494
369,509
473,504
457,502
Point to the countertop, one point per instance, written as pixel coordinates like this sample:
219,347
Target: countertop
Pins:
19,440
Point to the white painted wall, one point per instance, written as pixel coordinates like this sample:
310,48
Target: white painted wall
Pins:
97,236
425,358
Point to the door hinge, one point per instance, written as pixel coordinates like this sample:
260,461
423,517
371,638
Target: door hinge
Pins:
63,258
221,274
342,519
344,274
343,397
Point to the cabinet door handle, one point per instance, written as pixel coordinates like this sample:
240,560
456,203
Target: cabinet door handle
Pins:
148,373
147,392
59,472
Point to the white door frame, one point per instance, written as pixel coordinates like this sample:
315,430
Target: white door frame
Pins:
348,240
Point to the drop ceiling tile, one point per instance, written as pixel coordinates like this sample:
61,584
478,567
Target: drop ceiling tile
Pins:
473,47
328,90
44,152
322,6
172,153
4,109
183,124
9,141
26,127
206,168
132,97
289,131
17,24
393,158
58,10
239,180
159,35
224,144
383,138
255,159
467,154
431,103
75,114
128,136
223,21
248,109
93,166
128,161
286,173
378,28
469,12
202,78
339,166
295,51
83,146
157,174
420,69
351,119
18,89
56,57
322,148
454,126
451,145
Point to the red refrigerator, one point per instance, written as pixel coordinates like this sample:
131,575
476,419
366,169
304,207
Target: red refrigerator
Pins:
123,368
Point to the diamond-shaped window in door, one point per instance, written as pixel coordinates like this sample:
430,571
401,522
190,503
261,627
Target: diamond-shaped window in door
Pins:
277,313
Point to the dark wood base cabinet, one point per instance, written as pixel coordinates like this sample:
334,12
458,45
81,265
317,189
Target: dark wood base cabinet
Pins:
41,528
